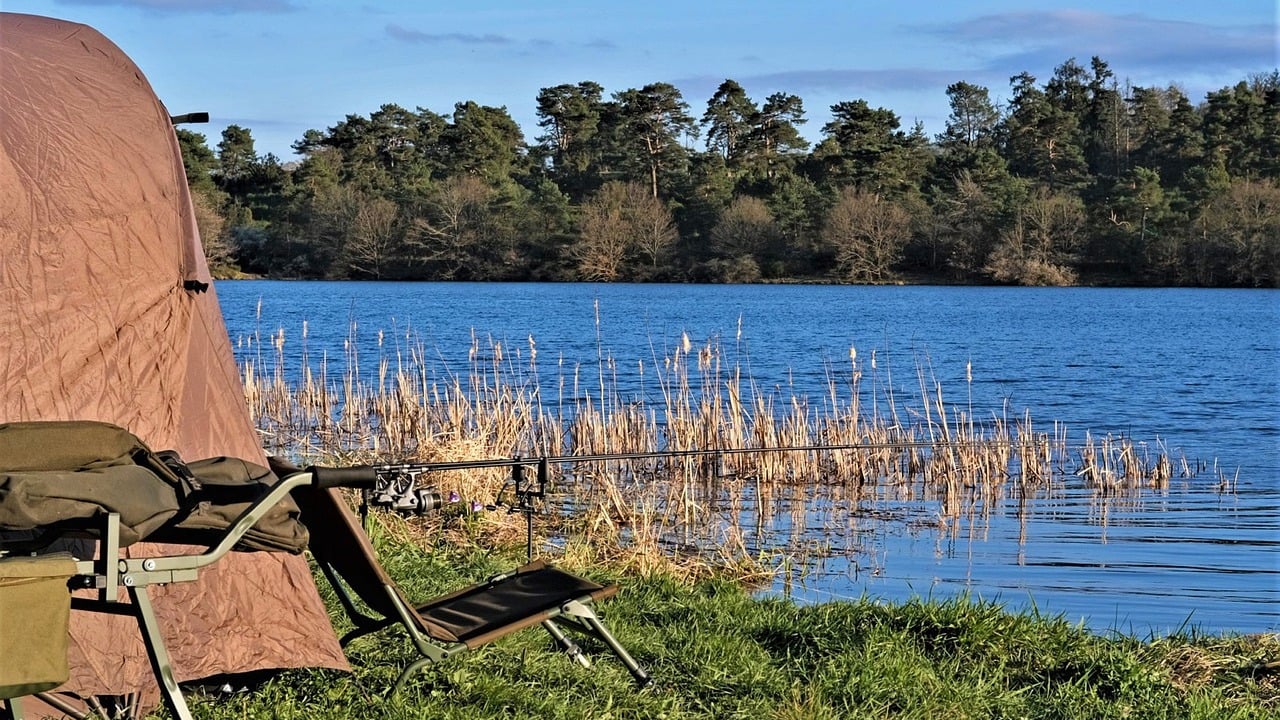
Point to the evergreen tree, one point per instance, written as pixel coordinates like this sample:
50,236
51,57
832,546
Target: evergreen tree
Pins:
775,142
1106,126
1083,175
971,126
236,158
1137,213
864,148
1041,132
198,160
967,147
655,118
483,141
728,120
797,205
571,116
1241,125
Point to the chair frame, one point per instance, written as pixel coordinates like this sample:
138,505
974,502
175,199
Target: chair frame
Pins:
573,609
109,572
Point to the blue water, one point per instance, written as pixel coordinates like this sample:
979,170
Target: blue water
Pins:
1194,371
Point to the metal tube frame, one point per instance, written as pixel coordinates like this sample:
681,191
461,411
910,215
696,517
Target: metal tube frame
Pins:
109,572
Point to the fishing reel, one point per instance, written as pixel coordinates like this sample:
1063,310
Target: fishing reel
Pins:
397,488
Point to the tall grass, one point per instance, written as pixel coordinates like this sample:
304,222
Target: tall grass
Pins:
759,467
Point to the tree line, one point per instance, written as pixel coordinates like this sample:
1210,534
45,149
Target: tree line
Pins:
1080,179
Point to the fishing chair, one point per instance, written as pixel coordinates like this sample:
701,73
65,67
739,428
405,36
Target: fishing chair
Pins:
95,485
534,594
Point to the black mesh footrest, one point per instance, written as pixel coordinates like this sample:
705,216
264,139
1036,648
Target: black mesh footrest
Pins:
526,597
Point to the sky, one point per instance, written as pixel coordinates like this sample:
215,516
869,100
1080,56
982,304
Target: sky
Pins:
281,67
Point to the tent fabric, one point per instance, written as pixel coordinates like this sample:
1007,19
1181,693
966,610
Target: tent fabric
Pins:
98,247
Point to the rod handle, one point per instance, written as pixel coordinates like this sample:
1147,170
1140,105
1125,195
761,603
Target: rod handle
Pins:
358,476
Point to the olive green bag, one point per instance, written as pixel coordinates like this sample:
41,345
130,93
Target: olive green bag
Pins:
69,474
227,487
62,475
35,605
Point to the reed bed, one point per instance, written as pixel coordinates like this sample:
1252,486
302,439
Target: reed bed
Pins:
739,475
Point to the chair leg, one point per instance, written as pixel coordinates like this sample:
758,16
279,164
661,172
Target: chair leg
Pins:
409,671
157,654
567,644
67,708
586,619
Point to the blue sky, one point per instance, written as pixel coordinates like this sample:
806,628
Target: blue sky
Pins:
280,67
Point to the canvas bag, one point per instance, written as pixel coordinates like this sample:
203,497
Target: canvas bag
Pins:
35,605
60,474
226,487
69,473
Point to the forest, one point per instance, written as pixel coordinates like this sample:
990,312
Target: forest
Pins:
1082,179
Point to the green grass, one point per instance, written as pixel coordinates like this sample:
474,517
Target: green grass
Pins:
715,652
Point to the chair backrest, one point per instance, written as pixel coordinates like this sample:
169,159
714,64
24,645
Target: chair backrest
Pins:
338,540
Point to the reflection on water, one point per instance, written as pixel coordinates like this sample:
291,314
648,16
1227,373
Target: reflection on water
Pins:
1183,376
1137,557
1144,561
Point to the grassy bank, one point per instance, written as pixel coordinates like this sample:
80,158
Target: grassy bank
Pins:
716,653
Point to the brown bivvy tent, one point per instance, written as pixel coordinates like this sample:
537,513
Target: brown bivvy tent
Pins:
107,313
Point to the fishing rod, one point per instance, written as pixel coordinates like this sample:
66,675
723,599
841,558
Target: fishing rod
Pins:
365,475
390,478
398,486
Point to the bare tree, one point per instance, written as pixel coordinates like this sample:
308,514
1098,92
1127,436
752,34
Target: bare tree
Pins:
1037,249
213,233
1016,259
653,230
868,234
746,229
328,223
968,218
373,238
457,222
604,235
622,224
1054,224
1240,236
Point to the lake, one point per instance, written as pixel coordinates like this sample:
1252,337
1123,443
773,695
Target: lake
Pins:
1196,372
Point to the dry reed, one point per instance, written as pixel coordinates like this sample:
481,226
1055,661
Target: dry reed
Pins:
763,466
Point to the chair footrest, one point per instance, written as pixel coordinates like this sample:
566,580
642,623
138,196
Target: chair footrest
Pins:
529,595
